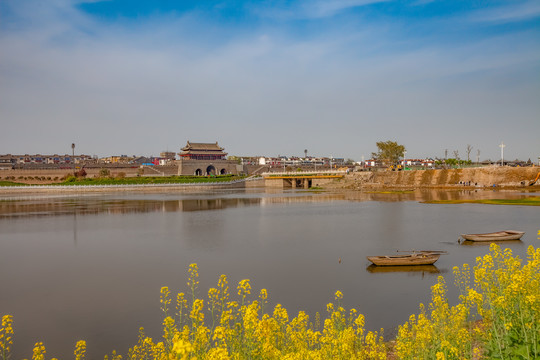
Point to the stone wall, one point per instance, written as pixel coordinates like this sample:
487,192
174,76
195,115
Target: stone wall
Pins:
475,177
190,167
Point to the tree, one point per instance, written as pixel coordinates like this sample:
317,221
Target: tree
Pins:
389,152
104,173
469,149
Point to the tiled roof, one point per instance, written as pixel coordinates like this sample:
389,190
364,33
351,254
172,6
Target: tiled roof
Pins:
191,152
202,147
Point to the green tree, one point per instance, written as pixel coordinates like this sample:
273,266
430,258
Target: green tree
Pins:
389,152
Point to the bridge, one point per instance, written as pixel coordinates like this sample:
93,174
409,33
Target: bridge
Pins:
301,179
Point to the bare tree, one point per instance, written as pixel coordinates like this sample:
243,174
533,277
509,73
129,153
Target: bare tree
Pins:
456,154
477,156
469,149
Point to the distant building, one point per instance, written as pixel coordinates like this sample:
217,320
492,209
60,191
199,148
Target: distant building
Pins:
205,159
168,155
117,159
43,161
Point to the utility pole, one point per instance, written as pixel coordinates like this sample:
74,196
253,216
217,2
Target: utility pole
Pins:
73,154
502,146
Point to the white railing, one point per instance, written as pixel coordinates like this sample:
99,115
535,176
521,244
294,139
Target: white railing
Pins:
116,186
298,173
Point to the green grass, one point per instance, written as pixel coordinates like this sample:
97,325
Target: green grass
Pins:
529,201
137,180
10,183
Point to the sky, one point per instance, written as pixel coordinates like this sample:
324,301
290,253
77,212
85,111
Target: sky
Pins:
332,77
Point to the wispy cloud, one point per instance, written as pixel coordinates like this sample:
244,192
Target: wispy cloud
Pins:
169,79
327,8
306,9
509,13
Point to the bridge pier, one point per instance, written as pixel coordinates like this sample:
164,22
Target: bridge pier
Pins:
301,180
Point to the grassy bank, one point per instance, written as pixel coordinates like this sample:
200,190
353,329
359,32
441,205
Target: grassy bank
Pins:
529,201
10,183
139,180
148,180
497,316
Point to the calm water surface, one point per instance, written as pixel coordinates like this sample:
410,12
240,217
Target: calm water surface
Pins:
90,266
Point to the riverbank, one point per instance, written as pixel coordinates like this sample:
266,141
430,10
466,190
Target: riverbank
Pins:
129,185
471,178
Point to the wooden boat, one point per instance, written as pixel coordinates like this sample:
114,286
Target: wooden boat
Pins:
416,258
495,236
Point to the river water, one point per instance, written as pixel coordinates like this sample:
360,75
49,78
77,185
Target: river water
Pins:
91,266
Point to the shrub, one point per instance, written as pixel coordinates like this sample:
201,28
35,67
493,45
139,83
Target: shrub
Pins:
80,174
104,172
70,178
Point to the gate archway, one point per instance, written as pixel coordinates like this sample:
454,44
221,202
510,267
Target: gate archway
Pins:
211,170
198,172
223,172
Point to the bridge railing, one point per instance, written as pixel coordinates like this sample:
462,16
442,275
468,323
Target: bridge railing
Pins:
117,186
300,173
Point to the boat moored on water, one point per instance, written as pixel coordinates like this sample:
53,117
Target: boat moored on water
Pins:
415,258
495,236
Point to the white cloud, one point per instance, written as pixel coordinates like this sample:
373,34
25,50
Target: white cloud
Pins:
510,13
136,90
311,9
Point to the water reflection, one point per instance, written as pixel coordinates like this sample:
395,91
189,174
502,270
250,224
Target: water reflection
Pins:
35,206
85,206
487,243
429,269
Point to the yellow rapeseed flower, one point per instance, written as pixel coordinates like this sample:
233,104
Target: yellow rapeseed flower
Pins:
80,350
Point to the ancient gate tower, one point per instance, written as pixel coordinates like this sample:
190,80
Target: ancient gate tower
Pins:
205,159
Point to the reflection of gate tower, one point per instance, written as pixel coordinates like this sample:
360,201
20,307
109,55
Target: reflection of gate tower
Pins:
205,159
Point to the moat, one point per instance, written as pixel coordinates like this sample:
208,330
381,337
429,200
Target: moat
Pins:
91,266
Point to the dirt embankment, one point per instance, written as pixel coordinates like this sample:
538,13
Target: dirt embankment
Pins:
442,178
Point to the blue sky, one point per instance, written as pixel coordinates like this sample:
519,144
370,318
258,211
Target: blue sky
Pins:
270,77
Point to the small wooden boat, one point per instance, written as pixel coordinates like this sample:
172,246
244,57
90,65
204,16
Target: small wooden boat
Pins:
495,236
416,258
